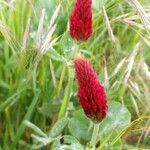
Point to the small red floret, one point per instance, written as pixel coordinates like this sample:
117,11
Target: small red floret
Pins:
91,93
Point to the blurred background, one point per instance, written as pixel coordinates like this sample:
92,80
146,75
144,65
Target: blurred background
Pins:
38,93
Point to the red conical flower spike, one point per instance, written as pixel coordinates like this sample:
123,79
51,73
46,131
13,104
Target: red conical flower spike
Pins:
81,20
91,93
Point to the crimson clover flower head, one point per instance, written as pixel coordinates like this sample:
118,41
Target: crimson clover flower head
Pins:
81,20
91,93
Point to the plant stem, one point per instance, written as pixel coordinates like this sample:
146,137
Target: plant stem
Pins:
94,135
61,80
66,96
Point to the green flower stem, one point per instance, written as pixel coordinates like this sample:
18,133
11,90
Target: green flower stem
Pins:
69,85
61,80
67,95
94,135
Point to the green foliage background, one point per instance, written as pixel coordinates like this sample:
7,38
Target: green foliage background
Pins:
38,93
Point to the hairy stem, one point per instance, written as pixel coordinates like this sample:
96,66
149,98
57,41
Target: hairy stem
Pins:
94,135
